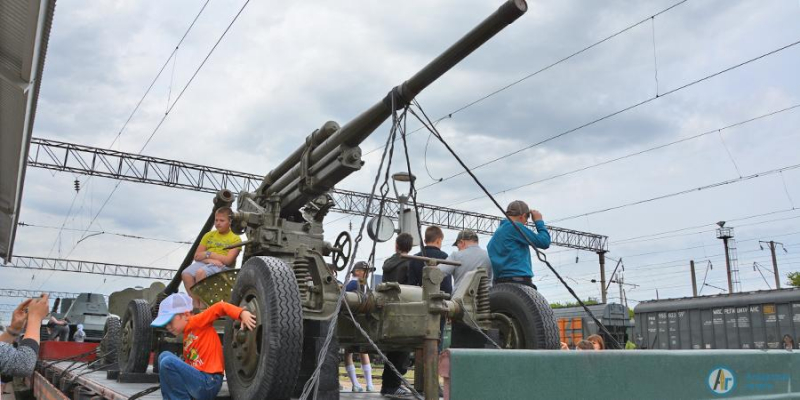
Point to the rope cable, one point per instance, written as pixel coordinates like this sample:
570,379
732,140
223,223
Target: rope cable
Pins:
539,254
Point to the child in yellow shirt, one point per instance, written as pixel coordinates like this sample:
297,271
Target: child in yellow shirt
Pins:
211,256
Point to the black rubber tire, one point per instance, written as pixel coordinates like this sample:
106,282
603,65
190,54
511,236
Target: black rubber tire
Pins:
138,357
530,311
280,332
109,346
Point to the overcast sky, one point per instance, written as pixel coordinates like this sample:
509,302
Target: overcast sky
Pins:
287,67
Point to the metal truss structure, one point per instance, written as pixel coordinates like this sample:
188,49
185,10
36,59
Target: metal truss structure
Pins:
88,267
62,156
28,294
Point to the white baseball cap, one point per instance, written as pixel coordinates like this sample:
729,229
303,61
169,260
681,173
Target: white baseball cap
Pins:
177,303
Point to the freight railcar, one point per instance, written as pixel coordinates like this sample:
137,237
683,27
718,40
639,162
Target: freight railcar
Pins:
574,324
768,319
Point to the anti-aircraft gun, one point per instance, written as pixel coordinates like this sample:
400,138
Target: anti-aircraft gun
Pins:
287,283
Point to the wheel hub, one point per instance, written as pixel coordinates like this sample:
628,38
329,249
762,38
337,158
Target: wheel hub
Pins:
126,342
510,334
246,344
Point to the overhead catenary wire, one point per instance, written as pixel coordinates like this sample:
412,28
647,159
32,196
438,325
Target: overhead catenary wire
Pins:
545,68
539,254
617,112
654,236
659,279
634,269
682,192
95,232
655,59
786,189
136,108
158,75
637,153
712,230
166,114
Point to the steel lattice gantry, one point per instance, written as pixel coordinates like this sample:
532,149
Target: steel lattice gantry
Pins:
62,156
29,294
88,267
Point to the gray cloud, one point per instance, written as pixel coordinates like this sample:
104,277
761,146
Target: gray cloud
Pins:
286,68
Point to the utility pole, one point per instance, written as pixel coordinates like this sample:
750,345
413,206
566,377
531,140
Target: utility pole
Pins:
694,279
772,245
603,294
621,295
725,234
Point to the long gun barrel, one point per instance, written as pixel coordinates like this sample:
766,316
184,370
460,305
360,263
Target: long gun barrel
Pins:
331,153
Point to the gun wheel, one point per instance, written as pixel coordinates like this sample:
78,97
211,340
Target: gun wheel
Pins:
526,320
109,346
135,338
265,362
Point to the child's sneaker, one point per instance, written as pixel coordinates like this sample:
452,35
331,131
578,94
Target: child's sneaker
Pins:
358,388
370,388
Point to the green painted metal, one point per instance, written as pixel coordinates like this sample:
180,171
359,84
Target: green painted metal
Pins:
652,374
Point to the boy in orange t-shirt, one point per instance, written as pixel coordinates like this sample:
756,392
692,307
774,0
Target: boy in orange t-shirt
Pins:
200,377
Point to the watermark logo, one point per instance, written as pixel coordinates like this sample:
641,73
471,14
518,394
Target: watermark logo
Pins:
721,380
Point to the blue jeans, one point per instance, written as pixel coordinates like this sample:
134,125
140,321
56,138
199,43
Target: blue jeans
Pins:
181,381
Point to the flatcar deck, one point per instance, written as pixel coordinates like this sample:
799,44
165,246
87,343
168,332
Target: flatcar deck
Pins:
110,389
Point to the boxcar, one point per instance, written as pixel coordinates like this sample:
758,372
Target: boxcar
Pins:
574,324
768,319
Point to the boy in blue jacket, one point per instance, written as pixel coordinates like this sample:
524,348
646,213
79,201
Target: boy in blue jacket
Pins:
509,252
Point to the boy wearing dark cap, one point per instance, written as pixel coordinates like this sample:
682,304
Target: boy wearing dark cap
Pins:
200,376
509,252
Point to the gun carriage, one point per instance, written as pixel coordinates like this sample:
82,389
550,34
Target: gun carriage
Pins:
286,281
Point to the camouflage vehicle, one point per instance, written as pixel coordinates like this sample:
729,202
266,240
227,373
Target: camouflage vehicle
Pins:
285,279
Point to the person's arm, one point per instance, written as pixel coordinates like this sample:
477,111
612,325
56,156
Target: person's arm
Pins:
391,265
37,310
228,260
540,238
448,269
200,254
17,324
7,337
22,360
222,309
18,362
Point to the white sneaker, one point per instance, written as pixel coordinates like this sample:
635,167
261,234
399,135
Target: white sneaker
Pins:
370,388
358,388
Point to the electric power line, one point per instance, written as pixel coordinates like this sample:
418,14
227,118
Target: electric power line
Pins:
125,235
687,191
166,114
160,123
651,236
615,113
634,154
543,69
135,109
